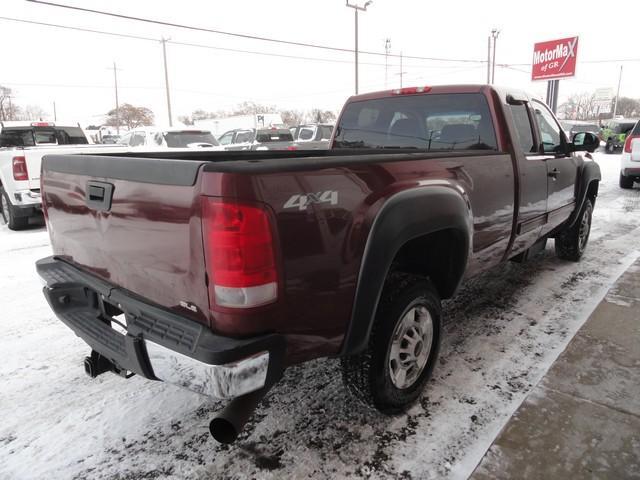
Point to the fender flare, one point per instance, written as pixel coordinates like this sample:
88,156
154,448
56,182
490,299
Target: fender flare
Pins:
406,215
589,173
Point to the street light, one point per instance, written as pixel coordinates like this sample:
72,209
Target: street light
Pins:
357,8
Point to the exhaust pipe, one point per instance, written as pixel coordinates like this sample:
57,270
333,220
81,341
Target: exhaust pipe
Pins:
227,425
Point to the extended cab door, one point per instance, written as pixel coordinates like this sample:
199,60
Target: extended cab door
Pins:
562,167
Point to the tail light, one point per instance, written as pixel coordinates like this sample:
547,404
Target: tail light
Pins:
627,142
239,253
20,168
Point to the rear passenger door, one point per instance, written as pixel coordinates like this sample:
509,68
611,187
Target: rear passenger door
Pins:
562,167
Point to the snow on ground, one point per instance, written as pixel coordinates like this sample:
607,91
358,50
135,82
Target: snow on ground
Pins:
502,332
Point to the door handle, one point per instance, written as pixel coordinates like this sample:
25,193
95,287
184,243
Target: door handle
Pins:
553,173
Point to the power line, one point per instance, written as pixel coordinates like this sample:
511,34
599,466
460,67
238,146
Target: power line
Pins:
210,47
243,35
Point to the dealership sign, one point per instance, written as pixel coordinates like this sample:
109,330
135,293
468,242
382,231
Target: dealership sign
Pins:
555,59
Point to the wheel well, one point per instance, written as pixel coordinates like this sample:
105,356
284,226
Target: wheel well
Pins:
441,256
592,191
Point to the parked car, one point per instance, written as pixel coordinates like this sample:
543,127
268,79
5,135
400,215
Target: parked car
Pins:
571,127
615,131
240,122
172,137
257,139
22,146
234,265
630,159
313,136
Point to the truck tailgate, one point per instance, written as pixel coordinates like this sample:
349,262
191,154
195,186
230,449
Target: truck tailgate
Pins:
133,222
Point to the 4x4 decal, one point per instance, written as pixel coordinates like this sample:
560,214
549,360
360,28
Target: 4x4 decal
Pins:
300,201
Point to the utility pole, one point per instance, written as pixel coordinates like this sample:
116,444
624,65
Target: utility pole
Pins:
55,115
115,84
494,34
489,59
615,105
387,49
401,72
166,77
357,8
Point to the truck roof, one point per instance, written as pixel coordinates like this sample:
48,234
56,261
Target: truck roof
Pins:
438,89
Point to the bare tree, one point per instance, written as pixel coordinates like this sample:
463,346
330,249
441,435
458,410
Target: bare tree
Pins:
293,117
8,109
627,107
34,112
580,106
130,116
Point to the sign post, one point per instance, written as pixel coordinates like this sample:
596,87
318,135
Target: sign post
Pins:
552,61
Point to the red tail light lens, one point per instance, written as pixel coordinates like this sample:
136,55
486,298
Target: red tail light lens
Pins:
627,142
239,253
20,168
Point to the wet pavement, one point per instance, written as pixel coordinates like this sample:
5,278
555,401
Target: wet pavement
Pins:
583,419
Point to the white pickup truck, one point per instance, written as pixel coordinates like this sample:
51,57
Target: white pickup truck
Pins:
22,146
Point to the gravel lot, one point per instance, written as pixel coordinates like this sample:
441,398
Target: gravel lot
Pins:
502,332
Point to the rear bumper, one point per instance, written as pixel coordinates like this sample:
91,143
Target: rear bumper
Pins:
158,344
26,203
631,172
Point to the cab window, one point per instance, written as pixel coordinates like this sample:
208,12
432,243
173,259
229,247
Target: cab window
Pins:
524,134
550,131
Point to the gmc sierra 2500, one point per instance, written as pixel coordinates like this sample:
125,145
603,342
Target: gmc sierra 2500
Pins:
214,271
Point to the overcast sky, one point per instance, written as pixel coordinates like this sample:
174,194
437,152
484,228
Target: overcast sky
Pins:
44,64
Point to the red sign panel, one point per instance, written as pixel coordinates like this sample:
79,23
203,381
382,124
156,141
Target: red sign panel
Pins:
555,59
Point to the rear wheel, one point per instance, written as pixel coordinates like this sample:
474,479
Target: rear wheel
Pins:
403,346
571,243
610,147
626,182
8,215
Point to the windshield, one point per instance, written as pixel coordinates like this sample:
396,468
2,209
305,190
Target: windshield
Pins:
185,138
426,122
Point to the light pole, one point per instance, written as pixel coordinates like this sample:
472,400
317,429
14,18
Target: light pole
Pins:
115,84
494,34
357,8
615,105
166,77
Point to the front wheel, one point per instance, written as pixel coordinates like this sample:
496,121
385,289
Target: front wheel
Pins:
571,243
403,346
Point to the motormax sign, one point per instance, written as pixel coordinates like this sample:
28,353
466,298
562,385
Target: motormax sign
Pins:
555,59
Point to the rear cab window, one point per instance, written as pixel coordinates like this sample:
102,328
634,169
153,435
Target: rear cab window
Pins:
433,122
188,137
272,135
32,136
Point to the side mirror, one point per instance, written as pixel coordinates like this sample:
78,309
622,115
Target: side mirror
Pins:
585,141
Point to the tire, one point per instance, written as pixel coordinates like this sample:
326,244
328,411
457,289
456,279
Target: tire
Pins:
6,210
571,243
371,376
610,148
626,182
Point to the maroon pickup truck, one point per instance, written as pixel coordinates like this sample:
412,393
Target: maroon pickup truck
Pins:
216,270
